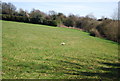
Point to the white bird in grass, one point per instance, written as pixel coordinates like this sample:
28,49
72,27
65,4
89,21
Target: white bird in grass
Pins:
62,43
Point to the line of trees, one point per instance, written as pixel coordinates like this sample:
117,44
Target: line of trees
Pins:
104,27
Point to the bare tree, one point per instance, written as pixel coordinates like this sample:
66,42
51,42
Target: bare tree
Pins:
8,8
90,15
115,14
119,10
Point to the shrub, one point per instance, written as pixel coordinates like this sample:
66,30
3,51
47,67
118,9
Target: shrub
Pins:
109,29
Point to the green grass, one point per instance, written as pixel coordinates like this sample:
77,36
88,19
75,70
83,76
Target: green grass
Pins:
34,51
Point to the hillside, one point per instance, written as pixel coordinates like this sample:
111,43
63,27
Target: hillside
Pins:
35,51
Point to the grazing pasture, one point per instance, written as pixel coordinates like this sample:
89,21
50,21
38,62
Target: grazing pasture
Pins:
32,51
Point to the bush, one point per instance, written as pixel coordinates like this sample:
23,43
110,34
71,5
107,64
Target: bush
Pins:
109,29
94,32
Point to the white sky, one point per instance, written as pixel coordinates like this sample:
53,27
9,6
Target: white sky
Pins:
60,0
98,8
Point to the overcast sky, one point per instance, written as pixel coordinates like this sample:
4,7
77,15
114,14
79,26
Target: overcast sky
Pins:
79,7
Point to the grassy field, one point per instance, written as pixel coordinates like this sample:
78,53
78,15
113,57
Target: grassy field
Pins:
34,51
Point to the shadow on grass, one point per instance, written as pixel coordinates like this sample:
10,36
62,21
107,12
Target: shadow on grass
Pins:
110,72
72,66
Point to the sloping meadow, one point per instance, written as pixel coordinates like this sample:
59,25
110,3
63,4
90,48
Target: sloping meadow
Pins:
33,51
